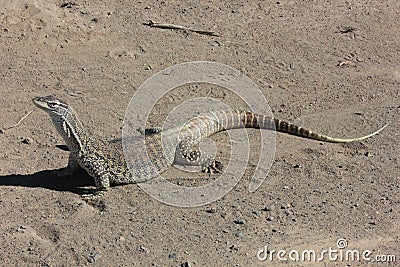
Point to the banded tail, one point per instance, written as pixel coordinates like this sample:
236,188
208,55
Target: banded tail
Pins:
210,123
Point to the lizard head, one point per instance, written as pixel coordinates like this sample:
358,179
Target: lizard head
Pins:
52,105
64,119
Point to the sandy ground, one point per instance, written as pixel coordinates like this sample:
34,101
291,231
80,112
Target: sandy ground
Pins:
331,67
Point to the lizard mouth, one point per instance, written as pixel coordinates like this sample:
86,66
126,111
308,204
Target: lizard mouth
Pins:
47,102
39,102
37,99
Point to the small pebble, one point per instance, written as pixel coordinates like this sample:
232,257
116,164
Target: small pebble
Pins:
93,257
27,140
269,208
211,210
270,218
21,228
239,221
172,256
144,249
186,264
233,247
239,234
257,213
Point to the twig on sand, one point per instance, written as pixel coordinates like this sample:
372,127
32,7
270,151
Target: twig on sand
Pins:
18,123
151,23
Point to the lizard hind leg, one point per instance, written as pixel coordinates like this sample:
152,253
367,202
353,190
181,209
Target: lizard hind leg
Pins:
191,155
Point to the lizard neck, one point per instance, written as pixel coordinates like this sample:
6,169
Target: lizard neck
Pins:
71,129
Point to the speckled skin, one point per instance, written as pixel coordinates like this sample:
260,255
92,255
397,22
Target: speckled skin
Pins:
105,162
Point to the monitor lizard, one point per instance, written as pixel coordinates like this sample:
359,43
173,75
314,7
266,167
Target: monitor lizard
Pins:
105,161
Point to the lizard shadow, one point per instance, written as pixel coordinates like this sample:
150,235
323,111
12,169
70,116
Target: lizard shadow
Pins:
75,183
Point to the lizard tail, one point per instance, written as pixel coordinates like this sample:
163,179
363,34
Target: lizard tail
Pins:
285,127
216,121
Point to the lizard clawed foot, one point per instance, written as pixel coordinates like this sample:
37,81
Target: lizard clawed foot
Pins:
93,194
214,167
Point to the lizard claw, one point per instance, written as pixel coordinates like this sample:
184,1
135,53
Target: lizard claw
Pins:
214,167
93,194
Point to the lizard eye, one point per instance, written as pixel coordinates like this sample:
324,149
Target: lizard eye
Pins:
51,105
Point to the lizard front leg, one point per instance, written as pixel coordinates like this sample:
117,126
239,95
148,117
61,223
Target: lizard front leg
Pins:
96,166
72,166
102,183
